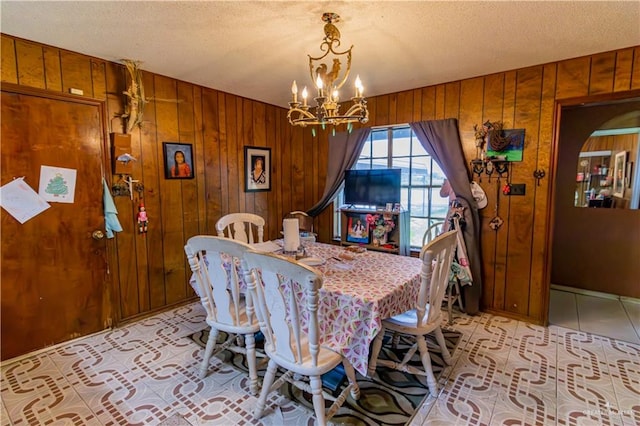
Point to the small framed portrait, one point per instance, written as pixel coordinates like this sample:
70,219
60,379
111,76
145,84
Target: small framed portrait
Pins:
257,165
357,229
178,160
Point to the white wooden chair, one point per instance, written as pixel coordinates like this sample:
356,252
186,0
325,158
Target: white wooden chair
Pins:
426,317
296,348
241,227
432,232
214,262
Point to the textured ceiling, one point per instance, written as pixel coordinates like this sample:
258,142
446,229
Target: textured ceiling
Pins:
255,49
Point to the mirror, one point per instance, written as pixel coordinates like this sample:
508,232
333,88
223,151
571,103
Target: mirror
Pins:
607,165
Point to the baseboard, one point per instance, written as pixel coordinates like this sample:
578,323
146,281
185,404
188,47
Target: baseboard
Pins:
52,347
630,300
600,294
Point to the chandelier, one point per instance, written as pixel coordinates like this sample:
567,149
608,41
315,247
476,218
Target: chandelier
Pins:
328,82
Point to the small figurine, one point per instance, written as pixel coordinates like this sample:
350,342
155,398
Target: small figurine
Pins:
142,219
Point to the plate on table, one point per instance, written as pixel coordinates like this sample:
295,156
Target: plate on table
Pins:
311,261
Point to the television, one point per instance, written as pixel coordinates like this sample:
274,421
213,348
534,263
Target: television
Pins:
374,187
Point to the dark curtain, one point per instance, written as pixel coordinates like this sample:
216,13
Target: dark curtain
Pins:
442,141
344,150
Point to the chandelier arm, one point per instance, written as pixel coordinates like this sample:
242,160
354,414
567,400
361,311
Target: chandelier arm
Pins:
356,108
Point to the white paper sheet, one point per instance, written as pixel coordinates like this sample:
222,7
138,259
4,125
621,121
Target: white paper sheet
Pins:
21,201
267,246
57,184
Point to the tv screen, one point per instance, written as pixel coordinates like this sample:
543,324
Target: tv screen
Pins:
374,187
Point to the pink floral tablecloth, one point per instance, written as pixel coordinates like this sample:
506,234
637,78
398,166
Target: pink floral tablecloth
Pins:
358,294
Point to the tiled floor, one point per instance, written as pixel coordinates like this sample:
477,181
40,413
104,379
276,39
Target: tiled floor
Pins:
504,372
597,313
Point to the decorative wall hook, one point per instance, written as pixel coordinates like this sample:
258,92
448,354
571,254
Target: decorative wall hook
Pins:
502,167
121,188
477,166
538,174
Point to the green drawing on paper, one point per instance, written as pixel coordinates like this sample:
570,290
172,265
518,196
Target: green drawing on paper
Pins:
57,186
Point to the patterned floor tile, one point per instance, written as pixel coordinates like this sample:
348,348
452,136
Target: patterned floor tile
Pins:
585,387
469,394
528,395
126,405
571,411
624,365
35,392
4,415
533,411
503,372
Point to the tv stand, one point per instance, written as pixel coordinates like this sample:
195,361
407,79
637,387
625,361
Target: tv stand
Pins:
397,240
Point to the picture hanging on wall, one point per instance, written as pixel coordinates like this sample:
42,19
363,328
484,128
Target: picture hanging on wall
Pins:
178,160
506,143
257,165
619,164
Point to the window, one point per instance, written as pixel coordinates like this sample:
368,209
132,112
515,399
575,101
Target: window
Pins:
422,178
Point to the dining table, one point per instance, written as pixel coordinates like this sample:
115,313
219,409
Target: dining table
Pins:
359,290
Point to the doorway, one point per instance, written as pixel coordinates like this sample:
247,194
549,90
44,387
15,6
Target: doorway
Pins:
54,267
594,251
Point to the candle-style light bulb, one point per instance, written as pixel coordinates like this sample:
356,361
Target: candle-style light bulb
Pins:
294,91
319,85
335,96
359,87
304,96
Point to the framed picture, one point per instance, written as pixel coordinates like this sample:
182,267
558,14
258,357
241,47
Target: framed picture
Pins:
257,169
506,143
357,228
619,175
178,160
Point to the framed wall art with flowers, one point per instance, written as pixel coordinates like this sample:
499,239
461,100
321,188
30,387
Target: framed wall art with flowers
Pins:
380,226
357,228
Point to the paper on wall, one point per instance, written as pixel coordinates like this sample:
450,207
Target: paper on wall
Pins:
21,201
57,184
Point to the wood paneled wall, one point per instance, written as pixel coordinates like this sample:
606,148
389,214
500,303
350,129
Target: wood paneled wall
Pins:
150,271
515,274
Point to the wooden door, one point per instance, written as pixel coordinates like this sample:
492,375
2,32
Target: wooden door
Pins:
53,273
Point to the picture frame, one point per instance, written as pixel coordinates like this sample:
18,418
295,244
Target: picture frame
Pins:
176,167
619,163
515,144
257,169
357,228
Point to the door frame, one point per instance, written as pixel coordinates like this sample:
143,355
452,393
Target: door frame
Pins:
112,293
553,170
